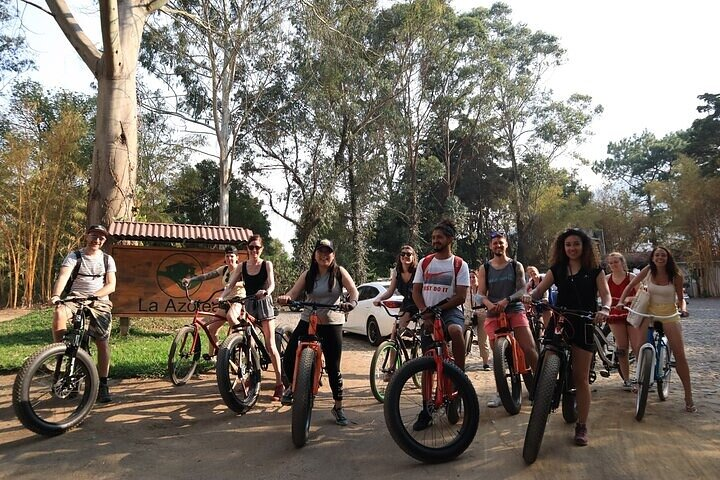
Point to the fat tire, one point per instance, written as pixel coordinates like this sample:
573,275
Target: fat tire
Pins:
643,383
282,337
180,351
26,408
542,403
663,384
303,398
238,373
508,384
401,430
379,365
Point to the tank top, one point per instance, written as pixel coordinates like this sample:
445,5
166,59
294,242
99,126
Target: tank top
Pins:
578,291
660,294
502,283
253,283
320,294
405,289
616,290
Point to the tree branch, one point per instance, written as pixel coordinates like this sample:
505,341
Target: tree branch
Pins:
75,35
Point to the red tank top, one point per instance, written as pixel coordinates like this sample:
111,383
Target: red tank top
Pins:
617,315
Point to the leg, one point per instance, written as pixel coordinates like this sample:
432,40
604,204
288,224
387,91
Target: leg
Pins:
458,344
103,353
581,360
483,342
61,315
213,328
621,334
673,331
268,329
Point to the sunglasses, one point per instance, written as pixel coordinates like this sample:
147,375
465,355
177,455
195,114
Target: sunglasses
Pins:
497,234
254,247
97,235
406,254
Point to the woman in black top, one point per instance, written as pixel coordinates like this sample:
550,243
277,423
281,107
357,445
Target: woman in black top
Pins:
579,279
401,279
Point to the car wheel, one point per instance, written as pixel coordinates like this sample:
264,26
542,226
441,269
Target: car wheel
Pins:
373,332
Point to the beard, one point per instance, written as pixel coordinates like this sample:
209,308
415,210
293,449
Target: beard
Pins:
438,248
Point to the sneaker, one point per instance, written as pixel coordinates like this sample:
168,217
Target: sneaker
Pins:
340,418
486,367
104,394
494,402
627,385
423,421
278,393
581,434
287,397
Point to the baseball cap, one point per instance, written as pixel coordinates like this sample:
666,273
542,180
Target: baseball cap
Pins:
97,228
325,243
496,235
231,249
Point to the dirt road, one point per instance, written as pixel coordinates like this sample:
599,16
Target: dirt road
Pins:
155,430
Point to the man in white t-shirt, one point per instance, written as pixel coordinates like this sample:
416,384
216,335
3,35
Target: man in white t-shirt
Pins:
444,278
95,278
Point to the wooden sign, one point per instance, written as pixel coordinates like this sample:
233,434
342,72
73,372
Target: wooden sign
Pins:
149,279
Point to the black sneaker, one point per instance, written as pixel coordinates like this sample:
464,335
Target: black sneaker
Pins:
287,397
340,418
104,394
423,421
486,367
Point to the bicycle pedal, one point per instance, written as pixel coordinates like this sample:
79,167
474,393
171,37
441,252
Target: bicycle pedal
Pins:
604,373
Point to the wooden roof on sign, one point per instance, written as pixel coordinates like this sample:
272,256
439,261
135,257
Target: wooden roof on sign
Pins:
173,232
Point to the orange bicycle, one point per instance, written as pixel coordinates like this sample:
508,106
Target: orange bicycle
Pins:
185,351
509,366
446,399
307,373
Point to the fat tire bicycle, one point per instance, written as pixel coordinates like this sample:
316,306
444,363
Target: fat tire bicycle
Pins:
307,375
445,394
186,348
391,354
554,385
241,359
653,363
509,366
57,386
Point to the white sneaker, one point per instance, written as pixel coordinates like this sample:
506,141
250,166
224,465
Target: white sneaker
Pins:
494,402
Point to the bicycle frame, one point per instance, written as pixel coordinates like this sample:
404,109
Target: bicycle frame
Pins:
313,342
504,330
440,353
558,346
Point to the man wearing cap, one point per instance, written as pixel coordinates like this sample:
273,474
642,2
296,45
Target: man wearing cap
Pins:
501,282
95,279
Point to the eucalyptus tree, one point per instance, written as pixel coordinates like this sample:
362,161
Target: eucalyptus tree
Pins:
220,58
530,124
703,137
113,178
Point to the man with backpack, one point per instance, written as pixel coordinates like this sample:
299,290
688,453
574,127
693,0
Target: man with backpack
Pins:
501,282
90,273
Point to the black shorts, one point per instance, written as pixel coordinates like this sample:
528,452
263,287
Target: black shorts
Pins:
578,332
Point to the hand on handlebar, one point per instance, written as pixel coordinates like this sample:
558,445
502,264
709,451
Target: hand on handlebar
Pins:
283,299
601,316
347,306
55,300
185,282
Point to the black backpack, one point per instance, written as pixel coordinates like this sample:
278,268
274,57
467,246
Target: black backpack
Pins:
76,271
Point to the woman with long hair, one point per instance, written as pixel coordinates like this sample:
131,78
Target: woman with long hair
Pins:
665,286
625,334
401,279
579,279
322,283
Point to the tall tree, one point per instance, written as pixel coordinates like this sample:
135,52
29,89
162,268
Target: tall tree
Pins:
14,57
703,137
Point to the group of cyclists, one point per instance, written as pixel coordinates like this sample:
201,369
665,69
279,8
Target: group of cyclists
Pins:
440,280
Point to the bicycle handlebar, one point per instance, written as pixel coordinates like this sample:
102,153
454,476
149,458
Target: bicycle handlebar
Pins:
315,306
187,295
650,315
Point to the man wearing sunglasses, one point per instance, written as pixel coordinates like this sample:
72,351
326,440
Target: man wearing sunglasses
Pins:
501,282
88,273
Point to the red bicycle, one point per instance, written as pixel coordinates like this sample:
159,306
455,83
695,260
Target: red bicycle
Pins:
185,351
449,412
509,366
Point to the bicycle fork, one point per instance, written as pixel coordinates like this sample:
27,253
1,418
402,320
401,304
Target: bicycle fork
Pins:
316,348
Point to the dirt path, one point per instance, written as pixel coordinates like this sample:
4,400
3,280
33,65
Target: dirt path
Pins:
154,430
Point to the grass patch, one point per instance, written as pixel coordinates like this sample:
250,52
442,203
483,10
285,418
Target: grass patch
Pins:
142,353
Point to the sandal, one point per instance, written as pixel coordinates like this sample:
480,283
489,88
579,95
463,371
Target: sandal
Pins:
690,408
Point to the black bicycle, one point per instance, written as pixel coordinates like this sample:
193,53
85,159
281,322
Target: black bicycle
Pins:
241,359
58,385
554,381
391,354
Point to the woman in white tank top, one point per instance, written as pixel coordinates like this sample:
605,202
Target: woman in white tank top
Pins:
665,286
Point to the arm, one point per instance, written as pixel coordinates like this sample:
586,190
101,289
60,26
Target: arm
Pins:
605,297
682,306
482,288
519,288
62,279
633,283
349,285
389,292
418,296
109,286
294,292
543,287
229,290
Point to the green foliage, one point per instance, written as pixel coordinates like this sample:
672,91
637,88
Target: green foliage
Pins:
703,137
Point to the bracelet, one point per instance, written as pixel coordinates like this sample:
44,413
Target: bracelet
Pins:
605,307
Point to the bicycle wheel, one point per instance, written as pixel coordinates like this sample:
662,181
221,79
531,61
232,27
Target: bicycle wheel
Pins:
382,367
303,398
453,425
644,373
508,382
282,337
238,373
544,389
663,383
52,394
183,359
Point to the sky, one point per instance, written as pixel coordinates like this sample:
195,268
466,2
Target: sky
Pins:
644,61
